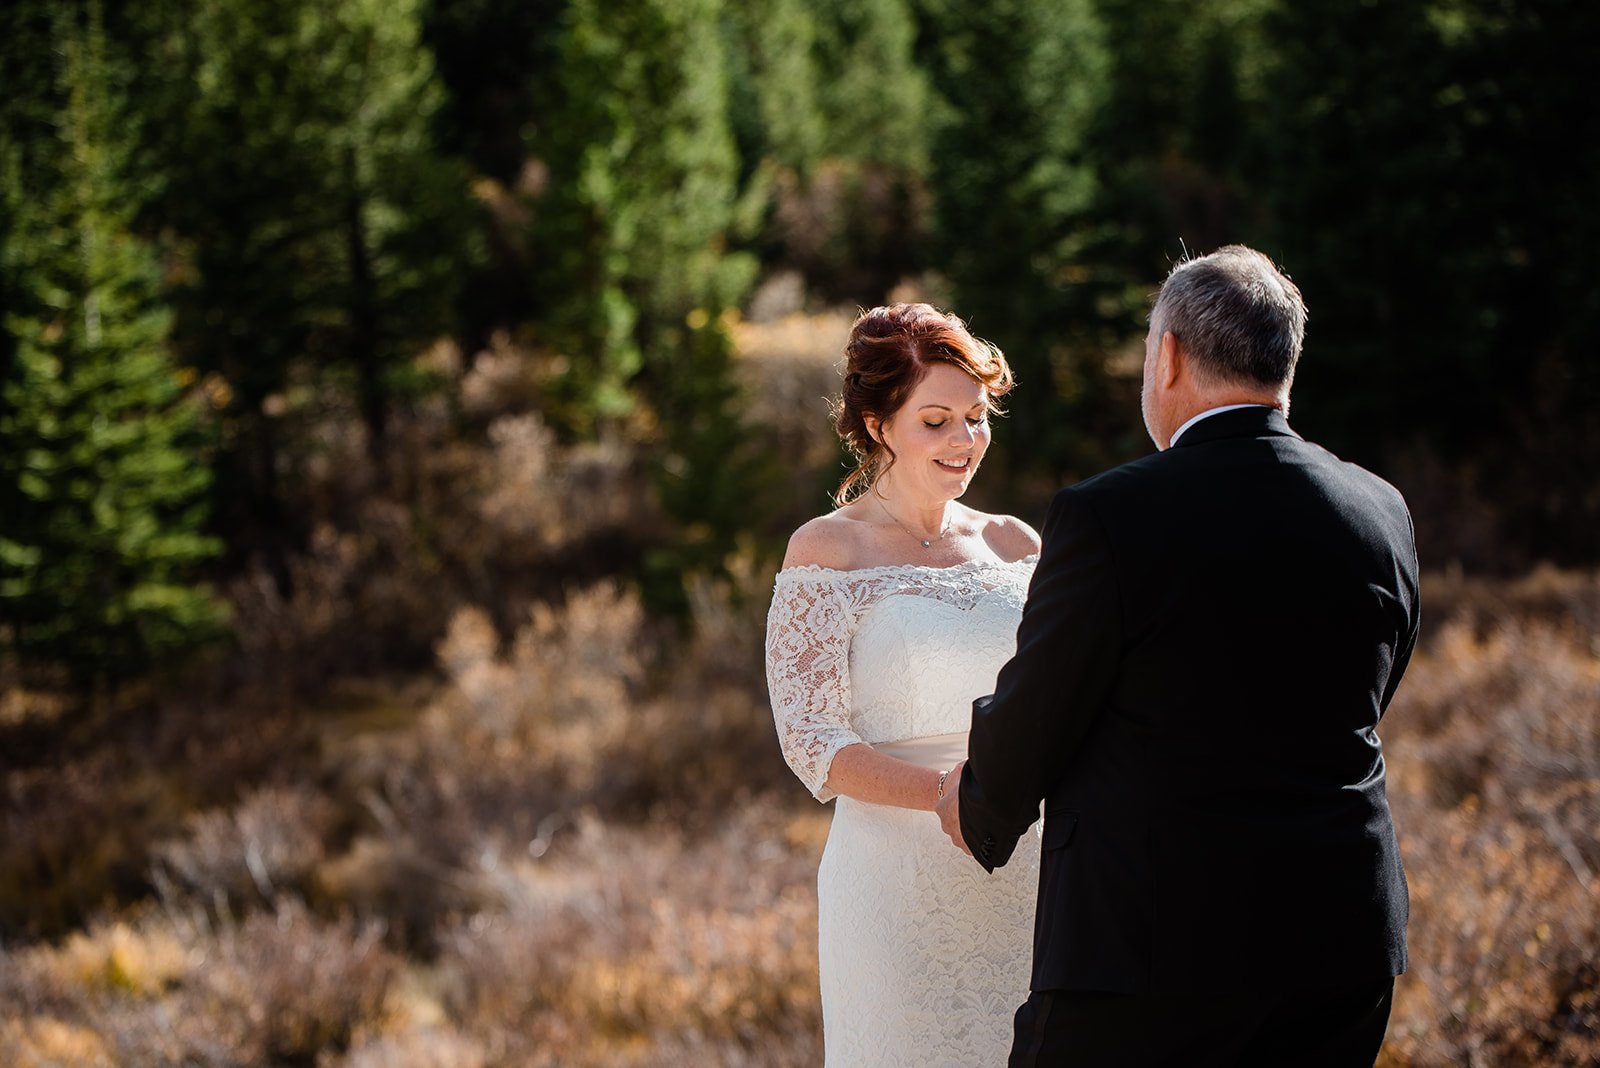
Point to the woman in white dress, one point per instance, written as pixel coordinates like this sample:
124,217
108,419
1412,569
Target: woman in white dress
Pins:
891,614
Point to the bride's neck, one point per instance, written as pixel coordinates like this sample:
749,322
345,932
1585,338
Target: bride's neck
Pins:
929,517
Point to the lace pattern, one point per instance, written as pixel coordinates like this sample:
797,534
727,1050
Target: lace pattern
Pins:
815,615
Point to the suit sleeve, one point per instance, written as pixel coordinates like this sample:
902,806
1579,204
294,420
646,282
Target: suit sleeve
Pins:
1410,586
1051,692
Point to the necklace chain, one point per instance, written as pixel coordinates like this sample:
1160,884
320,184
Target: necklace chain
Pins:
927,543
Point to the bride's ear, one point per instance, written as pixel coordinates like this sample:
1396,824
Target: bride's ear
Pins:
874,427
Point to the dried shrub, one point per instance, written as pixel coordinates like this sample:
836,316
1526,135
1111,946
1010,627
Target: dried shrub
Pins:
404,876
504,379
427,1048
280,987
67,841
548,708
544,499
140,961
496,517
1504,939
303,986
1543,595
637,946
516,736
1494,744
46,1042
591,707
268,844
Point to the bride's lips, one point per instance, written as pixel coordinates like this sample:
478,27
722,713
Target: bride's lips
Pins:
959,463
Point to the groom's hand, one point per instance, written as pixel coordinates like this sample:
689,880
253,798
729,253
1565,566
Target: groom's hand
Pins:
949,808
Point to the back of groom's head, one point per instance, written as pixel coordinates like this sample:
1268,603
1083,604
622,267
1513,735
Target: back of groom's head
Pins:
1237,316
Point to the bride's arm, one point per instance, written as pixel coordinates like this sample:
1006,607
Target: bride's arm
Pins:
809,631
861,772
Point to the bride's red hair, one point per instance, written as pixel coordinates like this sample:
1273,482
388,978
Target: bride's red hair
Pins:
889,352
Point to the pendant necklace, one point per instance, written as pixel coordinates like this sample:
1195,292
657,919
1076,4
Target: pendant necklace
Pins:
927,543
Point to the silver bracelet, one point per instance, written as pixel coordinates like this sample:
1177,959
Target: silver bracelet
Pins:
943,775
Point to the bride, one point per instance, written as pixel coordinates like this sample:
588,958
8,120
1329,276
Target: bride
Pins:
890,615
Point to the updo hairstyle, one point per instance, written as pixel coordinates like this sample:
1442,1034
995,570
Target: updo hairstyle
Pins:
889,352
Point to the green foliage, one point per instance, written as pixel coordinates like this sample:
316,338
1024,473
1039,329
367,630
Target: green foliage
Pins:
643,187
643,177
1434,200
498,62
98,449
873,96
322,234
714,478
773,71
832,116
1022,82
1176,124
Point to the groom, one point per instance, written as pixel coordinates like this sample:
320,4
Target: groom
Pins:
1210,639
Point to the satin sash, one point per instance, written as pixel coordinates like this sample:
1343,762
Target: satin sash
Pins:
938,751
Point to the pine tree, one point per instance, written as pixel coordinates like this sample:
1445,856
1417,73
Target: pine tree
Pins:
774,104
643,185
833,116
1432,196
101,481
1021,82
322,236
644,180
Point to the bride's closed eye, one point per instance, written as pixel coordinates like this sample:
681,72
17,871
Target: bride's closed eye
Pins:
979,421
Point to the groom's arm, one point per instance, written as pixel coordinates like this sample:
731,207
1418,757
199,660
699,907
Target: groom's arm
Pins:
1049,694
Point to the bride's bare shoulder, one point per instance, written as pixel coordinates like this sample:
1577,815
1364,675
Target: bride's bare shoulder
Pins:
832,540
1008,536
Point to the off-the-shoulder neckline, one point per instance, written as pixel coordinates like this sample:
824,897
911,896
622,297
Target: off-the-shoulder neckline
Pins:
856,572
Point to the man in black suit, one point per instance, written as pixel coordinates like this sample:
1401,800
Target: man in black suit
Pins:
1210,639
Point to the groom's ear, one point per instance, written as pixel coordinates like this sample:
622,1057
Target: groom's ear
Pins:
1170,360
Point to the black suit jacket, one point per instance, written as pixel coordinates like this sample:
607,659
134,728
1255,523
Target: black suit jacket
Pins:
1210,639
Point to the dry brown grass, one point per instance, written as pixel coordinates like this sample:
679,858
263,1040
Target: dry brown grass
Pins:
266,845
647,946
1494,742
157,989
575,842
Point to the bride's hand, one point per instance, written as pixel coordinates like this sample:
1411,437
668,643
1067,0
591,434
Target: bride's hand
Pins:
949,808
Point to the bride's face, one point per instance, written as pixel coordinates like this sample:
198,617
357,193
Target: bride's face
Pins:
938,436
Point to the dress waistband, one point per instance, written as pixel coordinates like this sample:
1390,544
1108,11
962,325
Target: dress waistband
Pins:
939,751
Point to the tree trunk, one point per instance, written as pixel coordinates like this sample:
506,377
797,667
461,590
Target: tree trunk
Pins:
364,354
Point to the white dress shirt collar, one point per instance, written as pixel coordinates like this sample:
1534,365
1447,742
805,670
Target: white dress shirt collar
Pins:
1208,413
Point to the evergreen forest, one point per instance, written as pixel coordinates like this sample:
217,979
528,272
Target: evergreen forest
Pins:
404,406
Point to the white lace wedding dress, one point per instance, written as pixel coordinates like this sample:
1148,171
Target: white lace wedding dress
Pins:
924,956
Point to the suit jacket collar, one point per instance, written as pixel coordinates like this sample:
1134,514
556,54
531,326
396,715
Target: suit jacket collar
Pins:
1239,423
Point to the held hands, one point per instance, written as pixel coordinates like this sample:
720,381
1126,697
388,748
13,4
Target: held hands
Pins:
949,808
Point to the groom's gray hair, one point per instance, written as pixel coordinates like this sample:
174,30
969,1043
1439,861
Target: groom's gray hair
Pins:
1237,315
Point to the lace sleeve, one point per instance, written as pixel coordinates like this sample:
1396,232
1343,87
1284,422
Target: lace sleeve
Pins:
808,674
